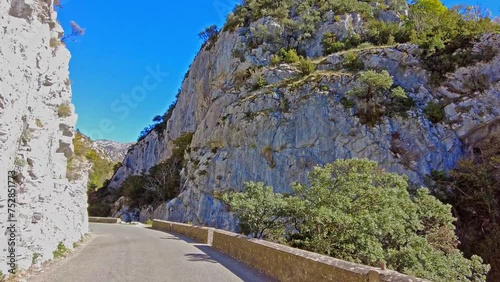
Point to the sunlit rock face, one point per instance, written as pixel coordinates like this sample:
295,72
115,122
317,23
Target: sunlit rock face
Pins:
278,133
37,123
115,151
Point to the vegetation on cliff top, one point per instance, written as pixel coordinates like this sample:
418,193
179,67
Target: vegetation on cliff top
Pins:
445,36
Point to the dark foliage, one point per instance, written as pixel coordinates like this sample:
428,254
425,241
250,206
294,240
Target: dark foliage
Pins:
473,189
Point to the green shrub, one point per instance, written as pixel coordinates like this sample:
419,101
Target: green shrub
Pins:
330,44
365,45
275,60
261,34
237,18
149,222
35,258
434,112
382,33
352,62
101,170
64,110
306,66
260,82
374,90
289,56
61,251
352,41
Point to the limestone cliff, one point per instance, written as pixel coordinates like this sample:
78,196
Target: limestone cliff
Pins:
114,150
277,133
37,123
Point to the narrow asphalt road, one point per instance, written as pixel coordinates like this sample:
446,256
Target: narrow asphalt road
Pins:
130,253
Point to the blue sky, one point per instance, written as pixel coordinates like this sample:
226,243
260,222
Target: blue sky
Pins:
124,42
128,66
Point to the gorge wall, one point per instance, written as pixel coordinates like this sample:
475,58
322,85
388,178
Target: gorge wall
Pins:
277,133
37,123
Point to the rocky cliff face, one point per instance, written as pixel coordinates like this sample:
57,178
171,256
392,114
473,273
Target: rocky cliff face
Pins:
114,150
36,130
276,134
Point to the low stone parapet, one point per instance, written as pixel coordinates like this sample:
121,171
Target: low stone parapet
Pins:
282,262
104,219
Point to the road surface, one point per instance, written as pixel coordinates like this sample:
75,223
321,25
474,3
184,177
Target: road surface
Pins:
130,253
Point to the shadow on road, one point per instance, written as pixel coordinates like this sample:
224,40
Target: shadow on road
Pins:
213,256
199,257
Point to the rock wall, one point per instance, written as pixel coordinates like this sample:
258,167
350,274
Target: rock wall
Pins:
114,150
37,123
278,133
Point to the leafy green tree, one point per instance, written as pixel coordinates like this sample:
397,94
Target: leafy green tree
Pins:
306,66
373,85
374,90
163,180
209,33
133,188
355,211
258,208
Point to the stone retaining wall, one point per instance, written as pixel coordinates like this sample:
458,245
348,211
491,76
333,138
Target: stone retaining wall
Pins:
282,262
197,233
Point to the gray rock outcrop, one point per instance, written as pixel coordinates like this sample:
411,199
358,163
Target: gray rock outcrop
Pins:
276,134
116,151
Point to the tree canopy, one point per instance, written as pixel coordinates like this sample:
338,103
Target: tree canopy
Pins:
353,210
